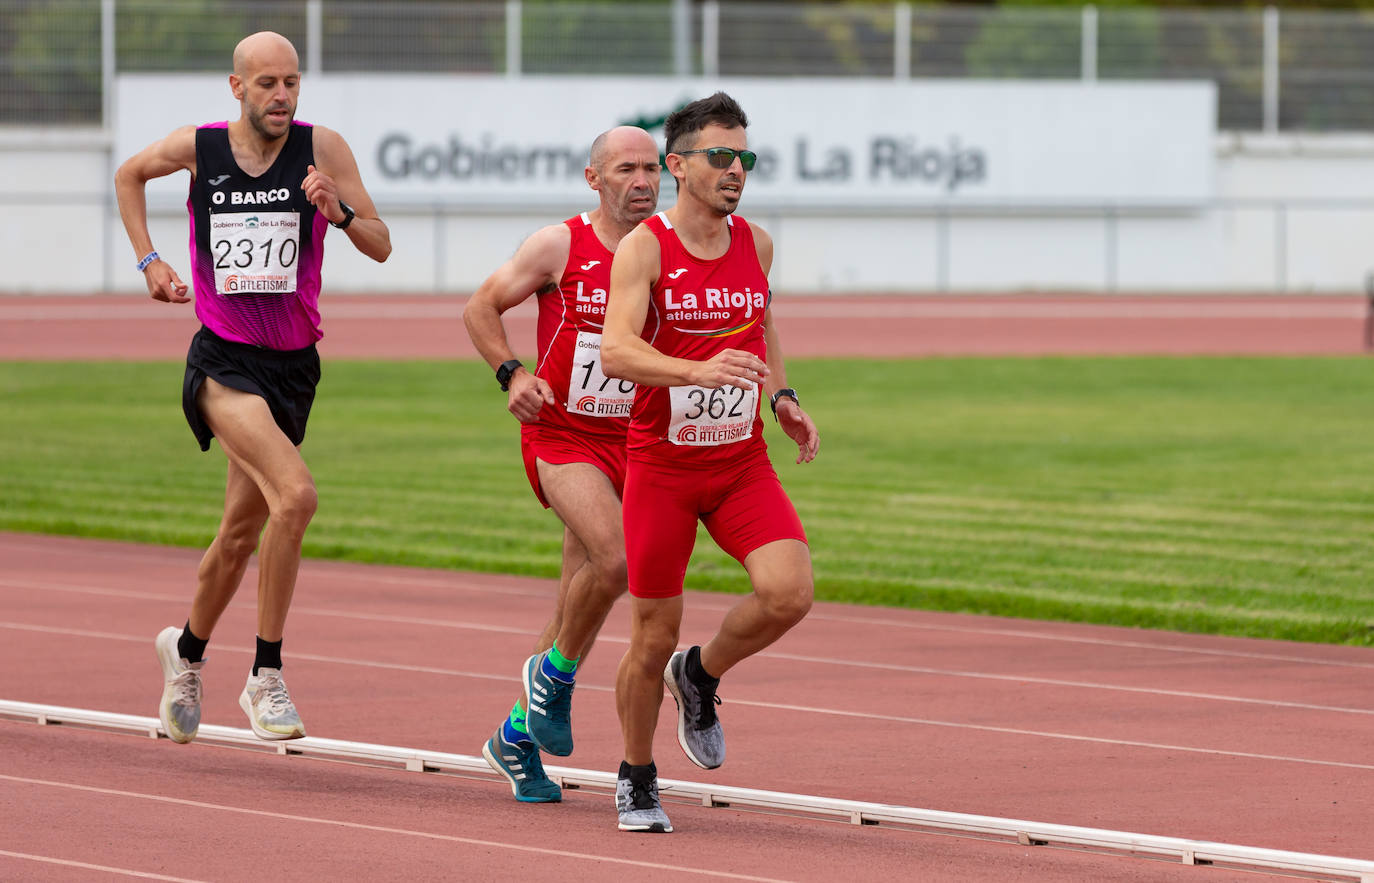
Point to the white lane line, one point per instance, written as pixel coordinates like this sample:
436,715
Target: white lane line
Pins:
1056,682
772,706
1030,635
792,308
306,657
766,654
383,829
478,583
1013,731
130,594
893,622
47,859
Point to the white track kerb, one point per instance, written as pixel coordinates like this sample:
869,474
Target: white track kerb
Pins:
1193,852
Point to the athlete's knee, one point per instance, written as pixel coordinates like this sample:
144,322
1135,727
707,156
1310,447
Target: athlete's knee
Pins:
238,540
296,506
652,643
652,652
612,576
788,604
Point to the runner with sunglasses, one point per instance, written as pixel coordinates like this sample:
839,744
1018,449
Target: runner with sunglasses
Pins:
689,322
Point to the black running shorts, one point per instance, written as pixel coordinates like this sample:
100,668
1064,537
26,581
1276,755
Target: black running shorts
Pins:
285,379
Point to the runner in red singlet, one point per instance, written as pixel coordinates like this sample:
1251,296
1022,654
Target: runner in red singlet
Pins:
689,321
573,421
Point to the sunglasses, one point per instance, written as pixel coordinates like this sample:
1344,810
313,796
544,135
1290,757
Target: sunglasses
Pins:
723,157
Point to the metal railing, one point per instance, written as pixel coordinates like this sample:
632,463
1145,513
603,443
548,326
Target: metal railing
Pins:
1276,71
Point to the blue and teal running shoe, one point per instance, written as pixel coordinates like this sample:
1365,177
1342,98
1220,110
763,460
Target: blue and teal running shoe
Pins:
523,769
548,708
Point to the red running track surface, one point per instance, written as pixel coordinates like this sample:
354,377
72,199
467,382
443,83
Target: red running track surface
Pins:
1240,741
409,326
1256,743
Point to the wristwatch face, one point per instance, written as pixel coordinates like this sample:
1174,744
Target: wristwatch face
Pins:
504,372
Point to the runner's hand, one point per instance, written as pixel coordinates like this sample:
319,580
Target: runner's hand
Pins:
323,193
731,368
800,428
528,393
164,284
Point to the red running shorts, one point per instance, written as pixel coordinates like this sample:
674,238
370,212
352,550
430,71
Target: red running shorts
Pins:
558,446
742,505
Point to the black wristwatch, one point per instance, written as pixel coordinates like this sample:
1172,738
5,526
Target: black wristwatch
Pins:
785,391
504,373
348,216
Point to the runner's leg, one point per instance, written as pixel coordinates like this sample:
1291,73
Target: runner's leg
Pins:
780,573
257,446
654,624
586,501
221,568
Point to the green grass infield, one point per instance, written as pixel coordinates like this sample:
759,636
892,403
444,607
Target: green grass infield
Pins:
1232,496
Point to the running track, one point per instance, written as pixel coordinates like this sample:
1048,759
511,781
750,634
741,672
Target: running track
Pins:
1238,741
407,327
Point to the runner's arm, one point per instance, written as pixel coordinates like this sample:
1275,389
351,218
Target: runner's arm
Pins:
537,264
627,356
171,154
336,179
793,420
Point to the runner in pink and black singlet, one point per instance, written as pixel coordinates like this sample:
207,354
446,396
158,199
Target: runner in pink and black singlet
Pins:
257,243
264,190
690,322
572,435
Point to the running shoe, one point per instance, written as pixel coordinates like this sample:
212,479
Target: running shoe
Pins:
639,807
269,707
548,708
523,769
698,729
181,688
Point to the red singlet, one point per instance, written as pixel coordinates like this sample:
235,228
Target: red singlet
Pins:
697,309
587,421
699,453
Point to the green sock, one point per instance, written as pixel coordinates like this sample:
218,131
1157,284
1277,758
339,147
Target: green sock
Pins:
514,731
562,663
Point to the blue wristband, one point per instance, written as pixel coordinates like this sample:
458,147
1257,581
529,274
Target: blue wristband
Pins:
147,259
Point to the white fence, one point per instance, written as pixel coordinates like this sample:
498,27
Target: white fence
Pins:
1276,70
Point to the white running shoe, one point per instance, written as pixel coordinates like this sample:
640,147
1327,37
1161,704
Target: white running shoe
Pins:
639,808
269,708
179,710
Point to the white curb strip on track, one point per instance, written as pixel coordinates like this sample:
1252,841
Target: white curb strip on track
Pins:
1198,852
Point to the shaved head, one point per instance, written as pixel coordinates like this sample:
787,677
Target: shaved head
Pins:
264,48
621,139
266,81
624,169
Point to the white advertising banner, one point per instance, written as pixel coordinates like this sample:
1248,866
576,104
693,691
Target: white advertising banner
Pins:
821,142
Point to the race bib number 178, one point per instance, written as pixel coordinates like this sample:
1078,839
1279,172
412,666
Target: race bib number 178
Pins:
255,252
590,392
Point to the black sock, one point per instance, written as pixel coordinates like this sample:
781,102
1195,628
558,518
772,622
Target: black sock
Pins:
695,673
638,773
189,647
269,655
